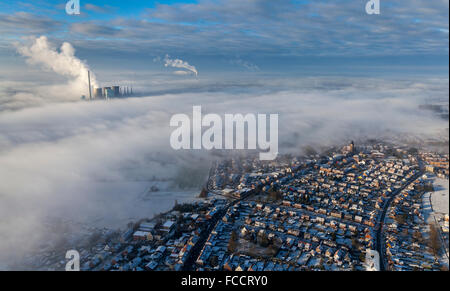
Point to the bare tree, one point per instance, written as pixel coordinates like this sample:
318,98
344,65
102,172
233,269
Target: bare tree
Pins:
232,243
435,243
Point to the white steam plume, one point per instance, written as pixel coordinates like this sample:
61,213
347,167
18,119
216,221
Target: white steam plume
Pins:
177,63
63,62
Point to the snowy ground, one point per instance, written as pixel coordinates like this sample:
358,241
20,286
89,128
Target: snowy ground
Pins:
118,203
436,205
439,199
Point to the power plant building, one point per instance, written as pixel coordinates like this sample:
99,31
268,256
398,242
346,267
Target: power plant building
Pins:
104,91
116,90
109,92
98,93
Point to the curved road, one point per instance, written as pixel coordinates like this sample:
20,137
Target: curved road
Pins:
379,234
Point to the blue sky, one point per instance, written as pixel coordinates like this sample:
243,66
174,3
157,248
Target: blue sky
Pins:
240,34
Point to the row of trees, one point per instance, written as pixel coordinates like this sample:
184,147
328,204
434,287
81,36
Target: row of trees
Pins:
435,241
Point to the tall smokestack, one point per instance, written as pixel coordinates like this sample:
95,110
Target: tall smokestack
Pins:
89,80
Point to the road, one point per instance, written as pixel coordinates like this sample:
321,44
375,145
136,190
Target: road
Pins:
379,234
197,248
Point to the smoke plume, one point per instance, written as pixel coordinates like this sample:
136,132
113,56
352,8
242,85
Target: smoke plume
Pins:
177,63
63,62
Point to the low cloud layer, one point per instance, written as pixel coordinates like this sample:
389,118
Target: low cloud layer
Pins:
93,161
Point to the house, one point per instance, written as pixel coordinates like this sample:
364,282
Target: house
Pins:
227,266
142,235
168,226
329,253
336,214
151,266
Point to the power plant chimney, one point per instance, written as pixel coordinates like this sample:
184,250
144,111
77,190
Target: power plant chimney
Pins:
89,80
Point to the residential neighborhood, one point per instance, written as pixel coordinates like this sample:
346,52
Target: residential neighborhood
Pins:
358,208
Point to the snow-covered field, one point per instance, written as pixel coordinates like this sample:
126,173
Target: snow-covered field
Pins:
436,205
439,199
117,203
